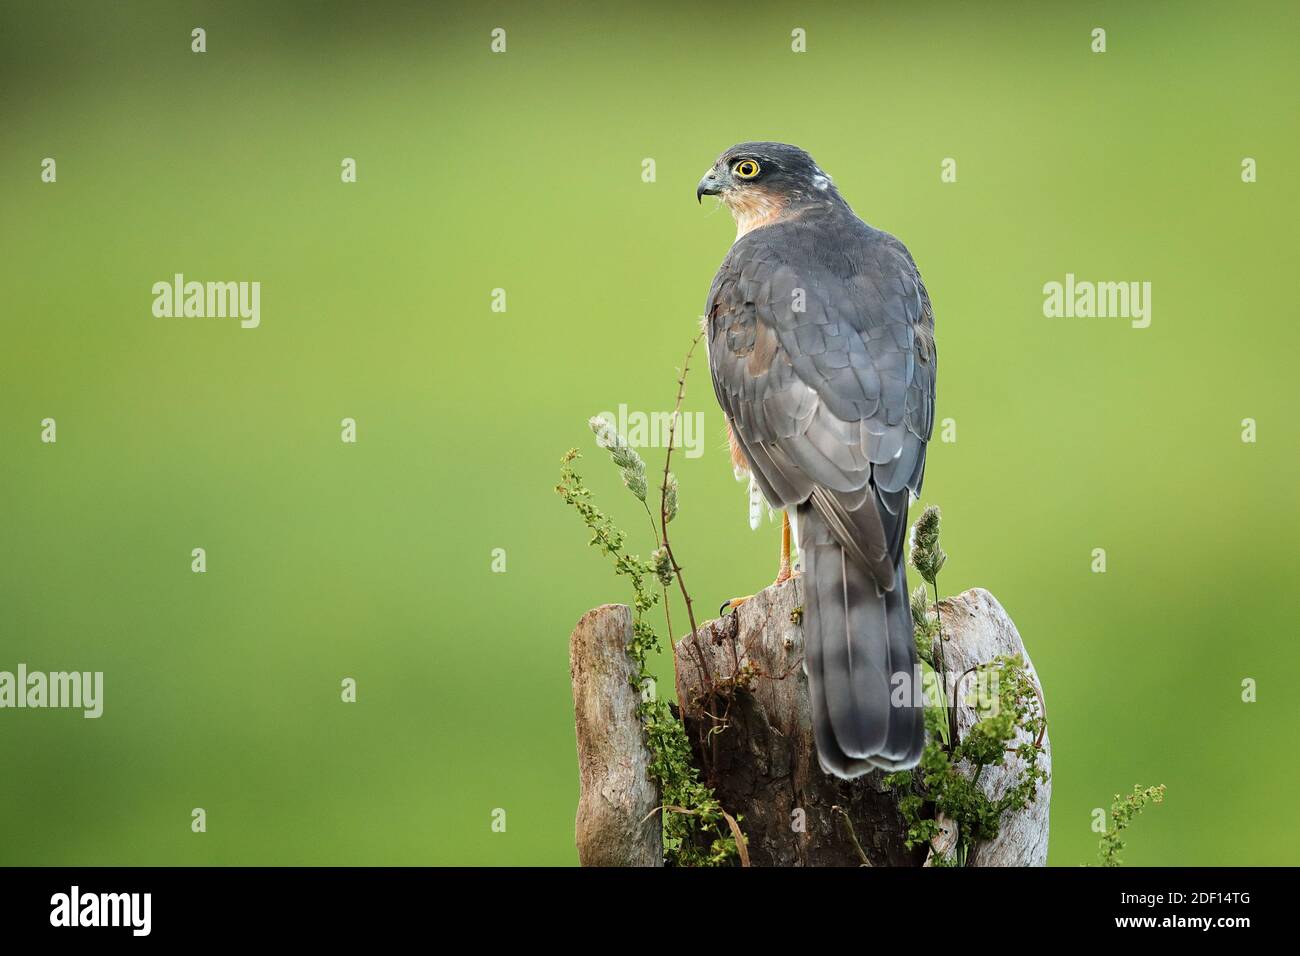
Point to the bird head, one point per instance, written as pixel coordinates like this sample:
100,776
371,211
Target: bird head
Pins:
759,181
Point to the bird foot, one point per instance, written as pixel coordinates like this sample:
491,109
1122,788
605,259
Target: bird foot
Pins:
731,605
785,574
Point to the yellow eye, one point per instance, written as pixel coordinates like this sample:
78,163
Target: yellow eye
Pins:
745,169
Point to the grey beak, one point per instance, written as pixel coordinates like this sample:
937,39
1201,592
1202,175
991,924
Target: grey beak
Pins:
710,185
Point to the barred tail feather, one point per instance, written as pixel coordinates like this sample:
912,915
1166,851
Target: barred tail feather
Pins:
858,645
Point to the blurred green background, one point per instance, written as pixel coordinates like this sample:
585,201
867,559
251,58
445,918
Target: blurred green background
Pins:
523,171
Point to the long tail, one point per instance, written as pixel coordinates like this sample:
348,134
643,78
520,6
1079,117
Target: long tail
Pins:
858,646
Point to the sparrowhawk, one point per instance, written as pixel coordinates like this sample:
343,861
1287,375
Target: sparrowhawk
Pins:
821,346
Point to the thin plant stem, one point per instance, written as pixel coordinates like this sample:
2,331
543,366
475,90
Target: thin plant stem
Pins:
663,512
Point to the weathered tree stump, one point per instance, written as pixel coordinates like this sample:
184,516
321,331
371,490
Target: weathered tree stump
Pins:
617,824
763,764
979,631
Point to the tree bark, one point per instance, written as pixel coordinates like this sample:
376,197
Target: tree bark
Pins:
980,630
617,824
764,765
762,762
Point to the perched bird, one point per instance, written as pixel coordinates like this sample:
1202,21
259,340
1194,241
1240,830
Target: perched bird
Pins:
821,346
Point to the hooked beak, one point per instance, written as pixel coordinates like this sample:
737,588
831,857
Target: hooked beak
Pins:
710,185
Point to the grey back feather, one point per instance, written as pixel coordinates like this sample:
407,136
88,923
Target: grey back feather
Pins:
821,349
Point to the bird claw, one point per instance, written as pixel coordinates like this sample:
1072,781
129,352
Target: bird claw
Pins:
785,575
732,604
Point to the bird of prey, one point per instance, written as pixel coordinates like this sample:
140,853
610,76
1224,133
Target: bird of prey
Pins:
821,345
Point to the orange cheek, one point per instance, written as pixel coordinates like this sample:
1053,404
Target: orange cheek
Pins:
753,208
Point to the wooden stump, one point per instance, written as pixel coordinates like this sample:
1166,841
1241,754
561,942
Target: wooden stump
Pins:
980,630
763,762
617,824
